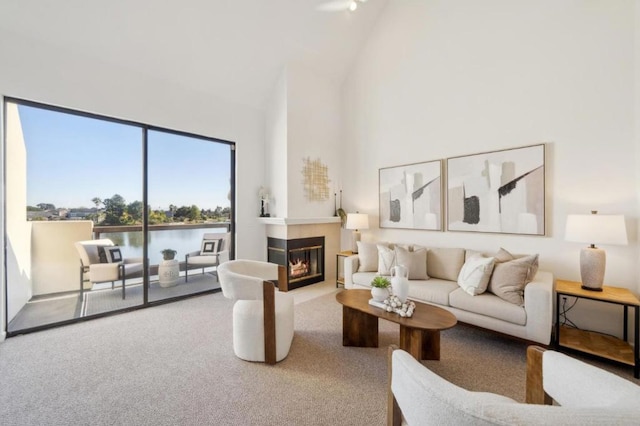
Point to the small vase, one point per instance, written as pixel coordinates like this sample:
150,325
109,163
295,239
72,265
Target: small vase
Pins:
400,282
379,294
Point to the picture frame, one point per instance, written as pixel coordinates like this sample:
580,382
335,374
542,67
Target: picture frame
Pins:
498,191
410,196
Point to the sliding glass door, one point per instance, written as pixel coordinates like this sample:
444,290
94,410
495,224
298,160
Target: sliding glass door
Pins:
93,207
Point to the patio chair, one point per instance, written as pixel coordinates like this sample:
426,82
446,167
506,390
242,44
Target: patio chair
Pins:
98,268
214,250
262,315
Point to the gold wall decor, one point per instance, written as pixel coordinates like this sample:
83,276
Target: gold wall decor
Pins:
316,180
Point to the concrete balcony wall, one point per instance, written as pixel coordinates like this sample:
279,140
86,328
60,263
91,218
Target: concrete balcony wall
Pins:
55,262
18,230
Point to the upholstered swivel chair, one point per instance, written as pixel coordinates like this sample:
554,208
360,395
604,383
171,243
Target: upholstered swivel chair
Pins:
586,395
214,250
93,269
262,315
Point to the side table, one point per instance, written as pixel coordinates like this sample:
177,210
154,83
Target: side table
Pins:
594,343
340,274
168,273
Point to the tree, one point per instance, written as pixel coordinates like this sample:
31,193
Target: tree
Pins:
157,216
46,206
97,201
194,213
114,208
134,210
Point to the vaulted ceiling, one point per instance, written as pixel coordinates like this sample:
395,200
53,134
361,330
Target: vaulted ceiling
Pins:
232,49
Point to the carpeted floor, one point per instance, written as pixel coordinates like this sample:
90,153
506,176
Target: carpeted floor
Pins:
174,364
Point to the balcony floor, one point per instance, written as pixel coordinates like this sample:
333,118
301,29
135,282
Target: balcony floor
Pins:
43,310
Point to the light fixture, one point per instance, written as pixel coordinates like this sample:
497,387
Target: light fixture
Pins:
356,221
595,229
353,5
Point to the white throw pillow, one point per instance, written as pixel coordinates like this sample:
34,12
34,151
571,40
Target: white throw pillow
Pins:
367,257
386,259
475,274
415,261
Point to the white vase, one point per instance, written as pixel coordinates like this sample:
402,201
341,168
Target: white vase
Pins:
400,282
379,294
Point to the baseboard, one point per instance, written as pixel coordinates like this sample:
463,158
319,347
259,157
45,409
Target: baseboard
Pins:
3,336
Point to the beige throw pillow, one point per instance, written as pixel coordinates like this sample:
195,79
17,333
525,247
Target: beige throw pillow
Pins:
367,257
386,259
504,256
415,262
475,273
509,278
445,263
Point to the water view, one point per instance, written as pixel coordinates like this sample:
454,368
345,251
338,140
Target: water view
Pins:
182,240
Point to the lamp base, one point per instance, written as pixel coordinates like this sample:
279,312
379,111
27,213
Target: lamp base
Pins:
592,264
355,237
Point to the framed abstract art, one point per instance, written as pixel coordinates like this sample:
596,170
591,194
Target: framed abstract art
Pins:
500,191
411,196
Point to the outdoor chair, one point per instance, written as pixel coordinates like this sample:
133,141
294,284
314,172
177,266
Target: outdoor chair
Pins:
262,315
99,264
213,251
583,395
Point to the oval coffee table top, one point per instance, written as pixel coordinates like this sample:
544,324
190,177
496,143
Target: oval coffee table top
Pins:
425,317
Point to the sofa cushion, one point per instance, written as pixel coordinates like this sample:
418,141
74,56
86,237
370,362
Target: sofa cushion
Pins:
509,278
363,278
445,263
489,305
432,290
475,273
386,259
367,257
415,262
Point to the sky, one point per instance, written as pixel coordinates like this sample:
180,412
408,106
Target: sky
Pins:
72,159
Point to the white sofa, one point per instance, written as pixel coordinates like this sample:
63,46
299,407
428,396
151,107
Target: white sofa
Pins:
531,320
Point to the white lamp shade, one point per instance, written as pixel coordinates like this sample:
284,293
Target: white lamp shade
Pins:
596,229
357,221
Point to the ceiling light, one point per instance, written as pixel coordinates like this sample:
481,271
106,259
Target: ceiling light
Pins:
353,6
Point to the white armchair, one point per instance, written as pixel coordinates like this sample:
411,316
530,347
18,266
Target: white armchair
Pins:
214,250
262,315
587,395
93,270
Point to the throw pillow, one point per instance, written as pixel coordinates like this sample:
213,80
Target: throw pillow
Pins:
102,255
509,278
113,254
367,257
504,256
475,274
386,259
209,247
415,261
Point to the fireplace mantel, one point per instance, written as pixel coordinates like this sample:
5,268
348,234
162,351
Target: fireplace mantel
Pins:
288,221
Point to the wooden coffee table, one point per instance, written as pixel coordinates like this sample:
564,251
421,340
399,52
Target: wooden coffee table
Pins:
419,335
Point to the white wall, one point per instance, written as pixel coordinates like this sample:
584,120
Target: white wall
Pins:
438,79
276,149
314,132
45,73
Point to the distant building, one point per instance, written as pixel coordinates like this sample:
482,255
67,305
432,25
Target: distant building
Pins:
81,213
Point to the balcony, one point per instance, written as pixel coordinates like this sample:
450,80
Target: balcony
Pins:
43,270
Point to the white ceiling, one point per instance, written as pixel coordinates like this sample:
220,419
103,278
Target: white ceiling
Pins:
232,49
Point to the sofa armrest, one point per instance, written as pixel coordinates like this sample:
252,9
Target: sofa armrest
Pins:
351,265
538,304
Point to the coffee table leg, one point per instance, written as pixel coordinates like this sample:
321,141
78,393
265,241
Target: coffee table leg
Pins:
421,344
359,329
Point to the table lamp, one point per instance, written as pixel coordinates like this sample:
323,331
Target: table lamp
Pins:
595,229
356,221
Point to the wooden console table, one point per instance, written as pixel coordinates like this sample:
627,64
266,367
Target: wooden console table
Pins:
594,343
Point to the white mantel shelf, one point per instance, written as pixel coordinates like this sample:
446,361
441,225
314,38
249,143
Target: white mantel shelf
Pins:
297,220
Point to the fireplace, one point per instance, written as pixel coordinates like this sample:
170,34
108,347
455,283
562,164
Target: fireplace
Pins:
303,259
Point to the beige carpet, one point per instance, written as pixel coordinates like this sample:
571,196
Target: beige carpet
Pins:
174,364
